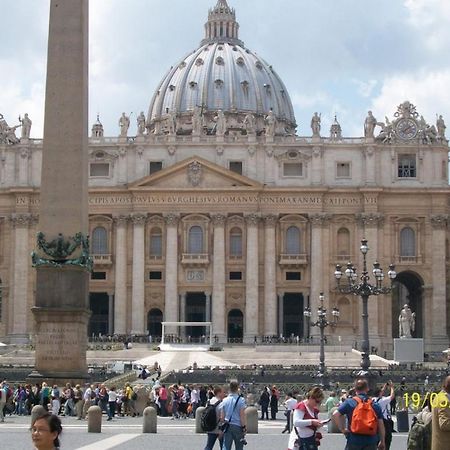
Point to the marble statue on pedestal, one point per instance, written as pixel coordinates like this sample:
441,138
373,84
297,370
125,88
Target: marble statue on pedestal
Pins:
26,126
249,124
7,133
369,125
197,125
124,124
406,322
221,123
271,124
171,123
141,124
440,125
316,121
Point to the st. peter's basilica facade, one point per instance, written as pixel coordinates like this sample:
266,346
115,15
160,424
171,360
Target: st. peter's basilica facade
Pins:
217,211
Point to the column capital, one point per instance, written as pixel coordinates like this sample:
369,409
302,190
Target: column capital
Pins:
270,219
218,219
252,219
171,219
320,219
22,220
439,221
121,220
139,218
370,219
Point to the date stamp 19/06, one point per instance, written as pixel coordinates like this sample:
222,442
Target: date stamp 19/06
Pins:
419,401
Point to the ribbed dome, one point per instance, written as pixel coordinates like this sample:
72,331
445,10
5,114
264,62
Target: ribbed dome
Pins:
222,75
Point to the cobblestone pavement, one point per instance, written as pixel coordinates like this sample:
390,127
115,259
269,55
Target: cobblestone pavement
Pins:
127,433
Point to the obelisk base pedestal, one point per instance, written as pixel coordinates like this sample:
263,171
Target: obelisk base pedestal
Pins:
61,342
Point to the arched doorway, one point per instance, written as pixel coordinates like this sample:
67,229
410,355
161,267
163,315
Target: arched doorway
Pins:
235,326
154,319
408,289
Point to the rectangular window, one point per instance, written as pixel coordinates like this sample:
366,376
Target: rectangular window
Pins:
292,169
343,170
293,276
98,276
155,166
407,166
235,276
155,275
99,170
235,166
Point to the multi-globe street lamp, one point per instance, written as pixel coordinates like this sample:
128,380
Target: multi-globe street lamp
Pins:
322,323
364,289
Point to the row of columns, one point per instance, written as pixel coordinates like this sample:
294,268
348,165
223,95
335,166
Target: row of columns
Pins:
19,291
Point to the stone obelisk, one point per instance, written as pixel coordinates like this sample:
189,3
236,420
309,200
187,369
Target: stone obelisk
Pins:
62,258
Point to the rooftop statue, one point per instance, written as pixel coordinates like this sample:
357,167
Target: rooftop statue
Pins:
271,122
369,125
249,124
124,124
221,123
141,123
7,133
406,322
197,121
440,125
316,124
26,126
171,123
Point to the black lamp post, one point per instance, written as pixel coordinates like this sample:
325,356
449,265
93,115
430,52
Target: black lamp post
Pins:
364,289
322,322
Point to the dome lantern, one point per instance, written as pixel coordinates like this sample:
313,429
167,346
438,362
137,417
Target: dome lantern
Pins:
222,25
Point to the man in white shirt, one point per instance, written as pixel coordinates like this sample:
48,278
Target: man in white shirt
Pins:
290,403
195,399
87,397
383,403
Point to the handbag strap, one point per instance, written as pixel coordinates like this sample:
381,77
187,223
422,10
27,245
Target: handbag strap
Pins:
234,408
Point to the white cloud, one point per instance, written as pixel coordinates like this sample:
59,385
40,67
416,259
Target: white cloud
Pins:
365,88
428,91
431,18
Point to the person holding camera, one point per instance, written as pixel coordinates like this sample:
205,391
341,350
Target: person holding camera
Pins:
232,419
384,403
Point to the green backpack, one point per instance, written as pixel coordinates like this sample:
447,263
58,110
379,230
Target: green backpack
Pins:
419,437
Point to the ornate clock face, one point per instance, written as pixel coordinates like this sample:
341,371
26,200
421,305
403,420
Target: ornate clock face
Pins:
406,128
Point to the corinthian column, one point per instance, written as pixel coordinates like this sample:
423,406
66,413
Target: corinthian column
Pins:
138,287
120,291
19,289
317,285
438,271
218,295
270,294
252,280
171,306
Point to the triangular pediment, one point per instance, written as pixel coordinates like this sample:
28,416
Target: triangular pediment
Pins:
194,173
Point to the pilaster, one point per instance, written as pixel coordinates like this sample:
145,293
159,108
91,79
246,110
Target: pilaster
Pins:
120,278
138,277
218,312
171,272
270,295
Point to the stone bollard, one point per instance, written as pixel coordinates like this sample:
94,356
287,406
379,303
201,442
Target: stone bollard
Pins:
150,420
251,414
250,399
94,419
36,412
198,421
332,427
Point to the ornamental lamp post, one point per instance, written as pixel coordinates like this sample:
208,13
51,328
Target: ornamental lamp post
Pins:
322,323
364,289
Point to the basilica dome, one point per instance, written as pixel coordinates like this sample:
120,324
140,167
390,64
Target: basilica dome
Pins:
222,75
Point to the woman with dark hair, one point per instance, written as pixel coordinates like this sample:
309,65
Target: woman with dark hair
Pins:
45,431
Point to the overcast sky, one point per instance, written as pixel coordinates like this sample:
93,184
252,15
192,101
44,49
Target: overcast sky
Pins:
335,56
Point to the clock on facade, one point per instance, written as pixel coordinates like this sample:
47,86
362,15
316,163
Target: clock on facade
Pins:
406,129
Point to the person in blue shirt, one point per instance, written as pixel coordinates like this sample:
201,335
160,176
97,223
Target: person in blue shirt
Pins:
359,441
232,415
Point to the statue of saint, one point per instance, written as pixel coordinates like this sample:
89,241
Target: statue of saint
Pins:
316,124
171,123
141,124
26,126
369,125
406,322
197,121
221,123
249,123
440,125
124,124
271,122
